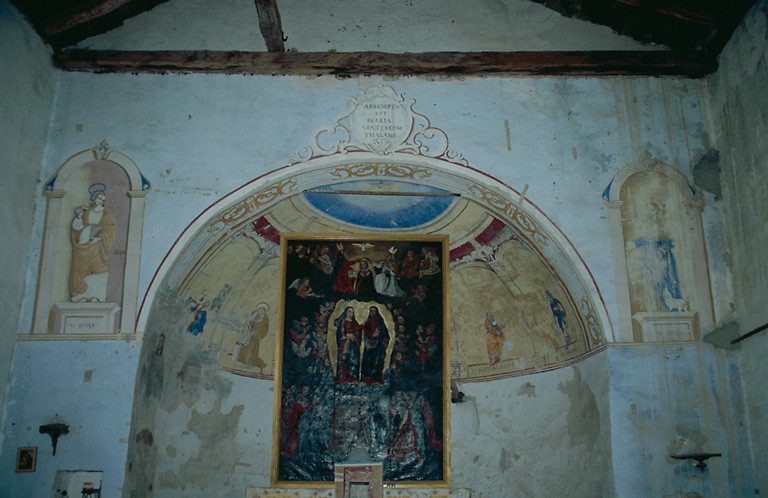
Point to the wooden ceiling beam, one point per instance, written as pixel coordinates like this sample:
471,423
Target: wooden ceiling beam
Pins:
270,25
93,19
671,10
594,63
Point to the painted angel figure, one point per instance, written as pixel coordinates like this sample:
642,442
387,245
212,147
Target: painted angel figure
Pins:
93,233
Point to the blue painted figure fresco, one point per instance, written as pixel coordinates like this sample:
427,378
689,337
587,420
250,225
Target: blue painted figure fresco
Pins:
559,313
661,269
198,305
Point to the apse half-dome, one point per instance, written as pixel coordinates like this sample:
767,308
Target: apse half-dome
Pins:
380,203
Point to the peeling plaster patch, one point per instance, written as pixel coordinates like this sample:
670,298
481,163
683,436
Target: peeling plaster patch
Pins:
170,450
583,415
527,389
218,454
706,173
88,376
145,437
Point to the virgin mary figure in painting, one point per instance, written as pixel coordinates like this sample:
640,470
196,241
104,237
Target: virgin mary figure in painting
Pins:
92,233
375,341
348,335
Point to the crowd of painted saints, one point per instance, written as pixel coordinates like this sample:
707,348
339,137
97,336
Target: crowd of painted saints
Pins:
362,358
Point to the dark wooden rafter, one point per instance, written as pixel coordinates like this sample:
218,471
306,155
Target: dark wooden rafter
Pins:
70,26
677,11
682,25
270,25
595,63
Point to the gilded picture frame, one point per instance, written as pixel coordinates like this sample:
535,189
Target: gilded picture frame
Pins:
362,359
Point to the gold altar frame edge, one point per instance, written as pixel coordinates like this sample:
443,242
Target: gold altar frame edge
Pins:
278,372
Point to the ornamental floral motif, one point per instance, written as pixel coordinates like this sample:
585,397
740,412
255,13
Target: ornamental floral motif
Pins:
591,320
250,204
524,222
400,171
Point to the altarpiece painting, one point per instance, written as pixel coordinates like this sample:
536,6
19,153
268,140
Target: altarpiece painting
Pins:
361,361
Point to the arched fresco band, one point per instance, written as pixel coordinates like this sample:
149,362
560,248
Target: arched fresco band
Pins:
522,300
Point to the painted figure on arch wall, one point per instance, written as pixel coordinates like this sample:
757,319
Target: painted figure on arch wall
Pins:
494,338
246,350
93,232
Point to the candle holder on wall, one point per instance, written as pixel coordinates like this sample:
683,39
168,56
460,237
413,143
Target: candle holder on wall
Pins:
699,457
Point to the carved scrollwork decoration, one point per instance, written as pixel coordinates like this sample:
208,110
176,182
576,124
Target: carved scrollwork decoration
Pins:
522,221
590,319
363,170
381,121
102,151
250,204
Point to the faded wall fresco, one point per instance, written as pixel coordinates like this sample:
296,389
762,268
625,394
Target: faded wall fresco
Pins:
660,274
512,312
93,239
515,309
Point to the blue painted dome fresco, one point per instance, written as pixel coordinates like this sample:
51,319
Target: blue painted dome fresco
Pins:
397,206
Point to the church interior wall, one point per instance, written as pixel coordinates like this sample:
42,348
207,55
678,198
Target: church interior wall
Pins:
25,107
603,426
738,106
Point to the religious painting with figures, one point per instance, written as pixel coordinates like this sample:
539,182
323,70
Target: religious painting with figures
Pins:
361,364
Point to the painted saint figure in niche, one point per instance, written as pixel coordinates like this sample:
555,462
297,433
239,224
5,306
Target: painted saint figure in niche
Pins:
246,349
660,270
348,335
494,339
375,342
93,233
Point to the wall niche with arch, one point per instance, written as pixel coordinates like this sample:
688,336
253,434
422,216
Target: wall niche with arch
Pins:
660,263
89,268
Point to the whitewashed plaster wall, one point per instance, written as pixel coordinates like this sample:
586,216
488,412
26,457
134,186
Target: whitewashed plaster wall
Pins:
678,399
739,122
394,26
198,137
25,107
